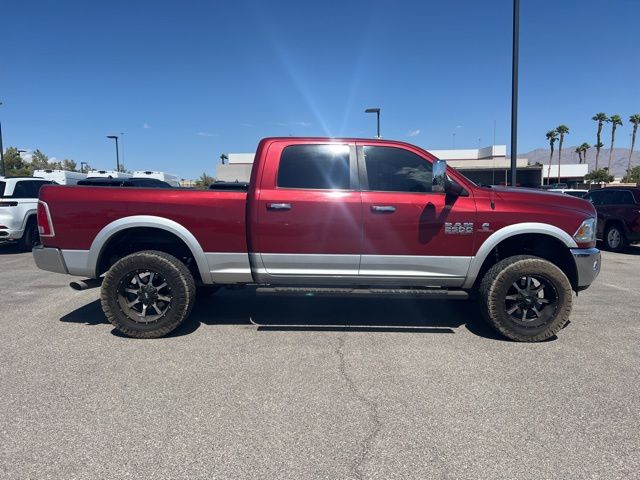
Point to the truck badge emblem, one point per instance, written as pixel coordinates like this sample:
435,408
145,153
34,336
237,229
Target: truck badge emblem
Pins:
458,228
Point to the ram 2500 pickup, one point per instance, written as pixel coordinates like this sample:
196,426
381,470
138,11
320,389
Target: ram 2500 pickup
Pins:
328,217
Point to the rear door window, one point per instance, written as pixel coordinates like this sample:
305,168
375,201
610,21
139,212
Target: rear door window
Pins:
2,184
322,167
623,197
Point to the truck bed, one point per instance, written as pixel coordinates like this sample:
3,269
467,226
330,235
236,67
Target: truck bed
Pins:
215,218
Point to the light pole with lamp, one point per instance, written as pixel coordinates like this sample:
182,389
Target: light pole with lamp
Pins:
115,137
377,112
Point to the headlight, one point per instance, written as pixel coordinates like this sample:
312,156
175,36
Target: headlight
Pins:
586,233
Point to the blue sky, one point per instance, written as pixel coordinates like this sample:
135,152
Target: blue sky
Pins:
189,80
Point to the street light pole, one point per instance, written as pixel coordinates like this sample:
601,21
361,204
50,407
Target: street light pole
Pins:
377,112
1,151
514,91
115,137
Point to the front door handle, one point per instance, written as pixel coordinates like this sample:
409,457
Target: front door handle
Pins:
383,208
279,206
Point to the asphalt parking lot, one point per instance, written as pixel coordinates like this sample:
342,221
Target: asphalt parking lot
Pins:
315,388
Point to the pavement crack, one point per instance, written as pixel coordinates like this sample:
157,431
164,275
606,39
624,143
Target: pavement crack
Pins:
374,418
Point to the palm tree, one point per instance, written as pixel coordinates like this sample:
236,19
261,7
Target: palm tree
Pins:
614,120
552,136
584,147
579,152
635,120
562,131
600,118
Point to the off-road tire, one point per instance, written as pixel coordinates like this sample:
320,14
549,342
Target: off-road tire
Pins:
499,280
175,274
622,245
30,237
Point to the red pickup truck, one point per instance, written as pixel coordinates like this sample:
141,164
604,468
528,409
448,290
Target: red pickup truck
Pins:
328,217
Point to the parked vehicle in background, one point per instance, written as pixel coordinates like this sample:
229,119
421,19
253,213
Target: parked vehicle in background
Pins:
618,216
61,177
108,174
570,191
172,180
18,206
124,182
321,216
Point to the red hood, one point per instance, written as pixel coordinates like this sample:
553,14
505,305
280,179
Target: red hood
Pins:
545,200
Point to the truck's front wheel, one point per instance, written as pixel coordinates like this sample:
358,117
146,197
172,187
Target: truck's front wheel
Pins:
526,298
147,294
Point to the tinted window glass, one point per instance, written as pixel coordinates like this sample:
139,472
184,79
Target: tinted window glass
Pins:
314,166
391,169
622,197
27,189
2,184
147,182
598,198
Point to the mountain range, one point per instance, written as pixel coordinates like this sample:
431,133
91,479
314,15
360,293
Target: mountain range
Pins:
618,162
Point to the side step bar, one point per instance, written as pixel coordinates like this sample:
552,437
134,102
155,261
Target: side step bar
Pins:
431,293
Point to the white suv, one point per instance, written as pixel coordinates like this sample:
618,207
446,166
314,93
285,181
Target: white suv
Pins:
18,205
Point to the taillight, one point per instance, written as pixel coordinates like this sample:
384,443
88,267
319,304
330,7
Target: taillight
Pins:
8,204
45,227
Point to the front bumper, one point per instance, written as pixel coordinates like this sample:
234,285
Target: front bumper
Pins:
49,259
587,265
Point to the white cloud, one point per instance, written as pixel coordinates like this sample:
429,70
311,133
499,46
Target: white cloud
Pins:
459,126
302,124
414,133
205,134
146,125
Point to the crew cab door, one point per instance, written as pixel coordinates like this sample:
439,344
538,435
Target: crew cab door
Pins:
309,220
412,235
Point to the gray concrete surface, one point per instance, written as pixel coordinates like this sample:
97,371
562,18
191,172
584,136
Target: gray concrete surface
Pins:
408,389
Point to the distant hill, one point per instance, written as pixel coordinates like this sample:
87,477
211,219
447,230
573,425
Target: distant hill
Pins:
618,163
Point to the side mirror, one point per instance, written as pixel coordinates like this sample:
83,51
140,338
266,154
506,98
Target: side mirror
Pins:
441,182
438,183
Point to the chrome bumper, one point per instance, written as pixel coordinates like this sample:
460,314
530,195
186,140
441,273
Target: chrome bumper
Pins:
49,259
587,265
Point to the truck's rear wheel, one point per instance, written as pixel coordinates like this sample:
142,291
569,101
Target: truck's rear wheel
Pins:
526,298
147,294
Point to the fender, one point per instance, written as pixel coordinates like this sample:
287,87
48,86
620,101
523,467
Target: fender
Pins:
511,231
107,232
29,213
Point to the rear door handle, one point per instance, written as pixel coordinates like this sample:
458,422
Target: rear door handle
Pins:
383,208
279,206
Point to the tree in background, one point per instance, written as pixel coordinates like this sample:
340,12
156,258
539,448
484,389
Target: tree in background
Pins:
204,181
39,161
599,176
633,175
579,152
583,148
69,165
600,118
14,165
552,136
634,120
562,131
615,121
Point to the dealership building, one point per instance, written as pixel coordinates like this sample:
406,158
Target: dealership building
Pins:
485,166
